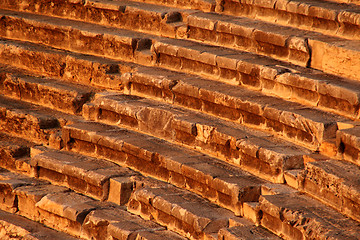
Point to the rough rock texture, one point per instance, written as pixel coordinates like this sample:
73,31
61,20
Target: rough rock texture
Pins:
295,216
334,182
179,119
216,181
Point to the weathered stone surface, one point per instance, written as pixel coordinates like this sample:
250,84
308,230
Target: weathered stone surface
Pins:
348,143
210,55
288,105
115,221
45,91
187,127
264,38
245,233
335,183
202,58
16,227
321,16
295,216
158,235
216,181
14,153
238,104
32,122
8,183
83,174
182,212
65,211
75,36
344,64
28,196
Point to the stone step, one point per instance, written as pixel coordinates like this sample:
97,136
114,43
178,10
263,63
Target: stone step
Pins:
48,92
15,154
78,215
279,42
260,73
335,183
146,76
246,232
158,17
348,143
125,14
13,226
314,15
215,180
303,125
32,122
236,66
263,38
203,5
190,215
75,214
20,193
356,2
179,211
310,88
64,65
259,153
89,176
76,36
115,222
296,216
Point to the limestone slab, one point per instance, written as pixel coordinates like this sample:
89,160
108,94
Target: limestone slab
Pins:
298,216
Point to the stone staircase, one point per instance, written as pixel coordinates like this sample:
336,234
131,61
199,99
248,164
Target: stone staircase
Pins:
179,119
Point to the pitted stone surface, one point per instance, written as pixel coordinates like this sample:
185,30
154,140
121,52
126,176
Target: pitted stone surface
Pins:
211,135
45,91
298,216
246,232
16,227
335,183
219,182
179,211
86,175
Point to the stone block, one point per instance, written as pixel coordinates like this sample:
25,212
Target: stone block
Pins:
181,212
287,215
11,151
14,226
291,178
347,142
250,211
86,175
9,182
114,221
48,92
120,189
28,196
147,235
342,64
245,232
65,211
334,183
